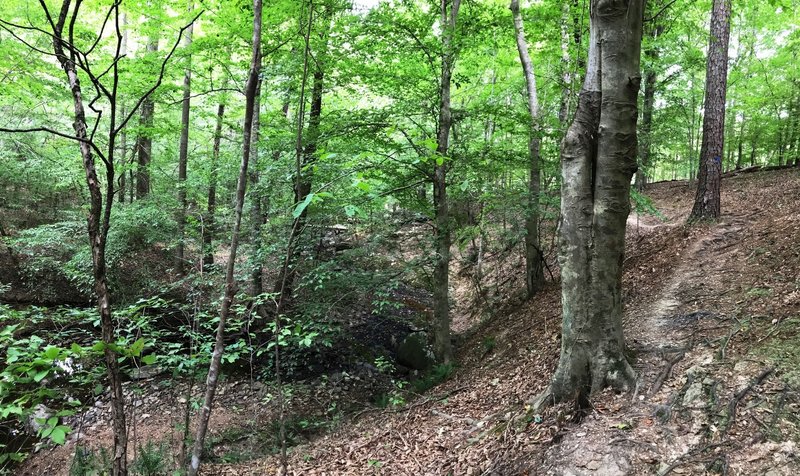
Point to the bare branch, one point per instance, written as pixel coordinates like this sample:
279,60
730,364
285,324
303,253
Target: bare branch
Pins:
71,30
56,133
663,9
3,24
103,27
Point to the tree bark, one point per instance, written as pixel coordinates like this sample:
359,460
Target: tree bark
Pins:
648,101
97,227
707,198
534,270
598,160
123,135
740,140
256,213
183,152
566,74
442,346
306,155
144,142
211,206
230,283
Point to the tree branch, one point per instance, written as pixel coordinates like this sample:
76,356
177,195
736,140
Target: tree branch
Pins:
56,133
161,73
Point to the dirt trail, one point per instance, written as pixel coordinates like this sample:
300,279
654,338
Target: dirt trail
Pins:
673,422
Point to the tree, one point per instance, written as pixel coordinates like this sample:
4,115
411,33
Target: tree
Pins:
183,152
75,63
654,29
598,159
251,88
534,271
144,141
707,201
306,147
441,271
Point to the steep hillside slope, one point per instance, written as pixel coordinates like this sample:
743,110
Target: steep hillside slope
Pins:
712,315
712,320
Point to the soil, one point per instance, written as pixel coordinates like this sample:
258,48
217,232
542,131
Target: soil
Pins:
712,314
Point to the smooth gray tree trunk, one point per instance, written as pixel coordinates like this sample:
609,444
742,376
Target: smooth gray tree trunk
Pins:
534,269
144,142
209,228
256,195
442,347
598,160
183,152
230,282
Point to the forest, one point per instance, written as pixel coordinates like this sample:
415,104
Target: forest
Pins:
399,237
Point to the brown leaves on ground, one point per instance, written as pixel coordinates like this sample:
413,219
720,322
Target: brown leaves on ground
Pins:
708,308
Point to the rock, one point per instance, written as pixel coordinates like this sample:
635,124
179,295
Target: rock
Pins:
694,395
37,419
415,352
594,465
146,372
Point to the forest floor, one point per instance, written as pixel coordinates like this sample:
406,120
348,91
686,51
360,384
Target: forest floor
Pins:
712,315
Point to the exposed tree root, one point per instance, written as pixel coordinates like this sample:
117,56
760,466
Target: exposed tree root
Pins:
665,373
741,394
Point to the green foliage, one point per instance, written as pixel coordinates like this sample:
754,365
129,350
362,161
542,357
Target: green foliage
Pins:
151,460
644,204
488,343
88,462
61,249
438,374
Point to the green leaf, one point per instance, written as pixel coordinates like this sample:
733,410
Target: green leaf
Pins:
40,375
352,210
149,359
137,347
10,410
51,352
298,210
59,434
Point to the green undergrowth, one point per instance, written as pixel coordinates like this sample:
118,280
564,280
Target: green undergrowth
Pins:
782,349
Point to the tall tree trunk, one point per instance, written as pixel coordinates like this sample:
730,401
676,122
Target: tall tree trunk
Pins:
730,139
534,270
144,142
645,129
753,151
740,141
739,156
305,156
707,199
211,207
123,135
566,74
793,154
442,346
183,151
256,211
230,282
598,160
97,228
